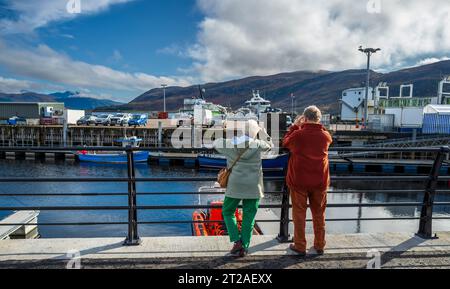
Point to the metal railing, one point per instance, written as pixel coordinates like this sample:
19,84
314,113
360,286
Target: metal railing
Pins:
426,217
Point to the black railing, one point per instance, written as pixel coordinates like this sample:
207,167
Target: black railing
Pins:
426,217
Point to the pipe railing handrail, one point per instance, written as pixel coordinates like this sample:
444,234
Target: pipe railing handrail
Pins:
445,149
186,207
217,221
425,218
208,179
211,193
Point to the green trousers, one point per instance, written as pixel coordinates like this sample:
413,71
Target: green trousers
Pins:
249,209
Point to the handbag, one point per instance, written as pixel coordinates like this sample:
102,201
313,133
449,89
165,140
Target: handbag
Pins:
224,174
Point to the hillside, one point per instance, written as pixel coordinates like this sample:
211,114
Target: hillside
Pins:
322,88
75,100
25,97
71,100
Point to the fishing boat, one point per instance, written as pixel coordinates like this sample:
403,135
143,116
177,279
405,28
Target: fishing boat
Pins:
210,222
119,157
257,104
269,162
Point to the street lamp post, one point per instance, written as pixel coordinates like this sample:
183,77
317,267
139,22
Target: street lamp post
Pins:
368,52
164,93
292,105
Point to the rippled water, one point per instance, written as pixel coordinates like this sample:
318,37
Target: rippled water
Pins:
23,168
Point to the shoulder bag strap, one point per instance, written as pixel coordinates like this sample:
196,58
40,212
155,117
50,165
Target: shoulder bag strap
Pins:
238,158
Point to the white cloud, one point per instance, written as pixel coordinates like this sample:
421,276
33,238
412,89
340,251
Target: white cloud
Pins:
239,38
89,94
173,49
11,85
46,64
431,60
32,14
70,36
117,56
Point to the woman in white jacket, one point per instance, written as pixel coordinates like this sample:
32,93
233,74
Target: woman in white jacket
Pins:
245,183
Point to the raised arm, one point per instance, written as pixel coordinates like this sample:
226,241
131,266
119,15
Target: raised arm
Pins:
290,136
265,141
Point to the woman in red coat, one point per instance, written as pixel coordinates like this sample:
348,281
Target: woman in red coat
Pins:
308,176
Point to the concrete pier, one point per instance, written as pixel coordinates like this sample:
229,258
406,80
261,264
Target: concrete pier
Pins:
395,250
30,230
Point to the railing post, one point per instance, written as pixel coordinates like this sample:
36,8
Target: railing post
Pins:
426,215
132,237
283,236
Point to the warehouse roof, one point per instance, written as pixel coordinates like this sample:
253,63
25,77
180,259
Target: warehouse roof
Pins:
439,109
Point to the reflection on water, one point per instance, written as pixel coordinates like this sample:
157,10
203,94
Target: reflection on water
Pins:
37,169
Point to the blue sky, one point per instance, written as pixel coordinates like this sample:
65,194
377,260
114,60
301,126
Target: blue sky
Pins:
136,36
130,37
119,49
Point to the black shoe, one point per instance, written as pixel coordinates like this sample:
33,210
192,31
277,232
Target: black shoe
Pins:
299,253
319,252
243,252
236,248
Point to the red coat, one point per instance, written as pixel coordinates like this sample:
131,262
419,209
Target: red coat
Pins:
308,167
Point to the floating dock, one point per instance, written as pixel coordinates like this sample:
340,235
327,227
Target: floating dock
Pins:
385,166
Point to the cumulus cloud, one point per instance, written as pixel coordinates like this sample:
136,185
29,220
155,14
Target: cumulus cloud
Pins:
12,85
86,93
239,38
431,60
46,64
27,15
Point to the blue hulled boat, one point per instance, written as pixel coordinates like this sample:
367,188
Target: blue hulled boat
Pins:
269,163
114,157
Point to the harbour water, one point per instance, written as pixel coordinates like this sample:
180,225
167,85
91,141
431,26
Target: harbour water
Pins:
23,168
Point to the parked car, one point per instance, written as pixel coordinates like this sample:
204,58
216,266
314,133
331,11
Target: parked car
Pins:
138,120
120,119
103,119
86,120
17,120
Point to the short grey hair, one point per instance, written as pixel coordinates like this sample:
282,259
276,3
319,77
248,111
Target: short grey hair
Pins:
312,113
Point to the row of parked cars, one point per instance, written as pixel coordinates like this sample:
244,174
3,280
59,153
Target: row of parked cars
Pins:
121,119
18,120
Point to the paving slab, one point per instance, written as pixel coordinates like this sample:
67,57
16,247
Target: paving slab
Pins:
343,251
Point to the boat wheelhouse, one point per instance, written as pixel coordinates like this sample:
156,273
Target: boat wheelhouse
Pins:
257,104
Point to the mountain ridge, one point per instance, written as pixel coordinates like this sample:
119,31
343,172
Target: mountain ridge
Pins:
322,88
72,100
